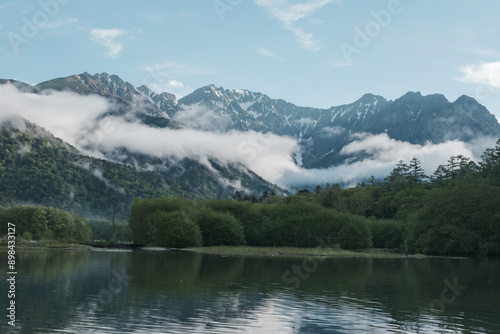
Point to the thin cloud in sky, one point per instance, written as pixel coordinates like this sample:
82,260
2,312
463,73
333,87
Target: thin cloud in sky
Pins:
483,74
107,38
347,63
175,83
166,77
172,86
288,14
484,52
172,68
60,23
268,53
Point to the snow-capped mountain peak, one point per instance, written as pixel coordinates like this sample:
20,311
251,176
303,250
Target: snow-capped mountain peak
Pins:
321,133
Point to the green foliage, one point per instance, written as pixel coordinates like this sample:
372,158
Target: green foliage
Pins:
220,228
141,220
38,222
175,229
354,234
293,221
454,212
27,236
460,218
490,164
103,230
387,234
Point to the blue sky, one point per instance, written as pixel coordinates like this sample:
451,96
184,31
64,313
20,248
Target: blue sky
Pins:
314,53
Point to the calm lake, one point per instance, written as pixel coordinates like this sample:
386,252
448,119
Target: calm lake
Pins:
184,292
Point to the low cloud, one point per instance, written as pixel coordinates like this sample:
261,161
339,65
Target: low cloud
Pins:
268,155
82,121
23,149
331,131
75,119
305,120
384,153
99,175
197,116
64,114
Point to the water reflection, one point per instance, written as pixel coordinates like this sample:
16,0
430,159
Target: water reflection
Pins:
182,292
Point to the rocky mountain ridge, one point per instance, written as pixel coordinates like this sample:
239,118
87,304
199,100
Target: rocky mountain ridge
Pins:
321,133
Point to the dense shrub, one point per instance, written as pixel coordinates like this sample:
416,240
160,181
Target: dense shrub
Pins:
295,221
175,229
40,222
354,234
219,228
387,234
460,218
140,219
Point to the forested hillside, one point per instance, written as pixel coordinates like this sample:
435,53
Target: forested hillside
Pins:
37,168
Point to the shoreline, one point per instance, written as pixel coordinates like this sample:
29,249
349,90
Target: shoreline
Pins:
238,251
299,252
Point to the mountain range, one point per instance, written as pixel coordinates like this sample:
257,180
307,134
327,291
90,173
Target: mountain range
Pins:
320,134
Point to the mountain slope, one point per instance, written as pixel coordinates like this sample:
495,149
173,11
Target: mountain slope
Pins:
36,167
142,99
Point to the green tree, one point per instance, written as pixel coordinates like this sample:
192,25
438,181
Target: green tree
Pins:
440,175
354,234
372,181
219,228
175,229
415,172
490,164
398,178
237,196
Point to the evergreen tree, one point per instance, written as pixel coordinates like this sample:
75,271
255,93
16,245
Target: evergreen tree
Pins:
251,198
415,171
398,178
237,196
372,180
453,167
440,175
490,164
265,195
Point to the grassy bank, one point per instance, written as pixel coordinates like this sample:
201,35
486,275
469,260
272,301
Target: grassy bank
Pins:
295,251
226,250
43,244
